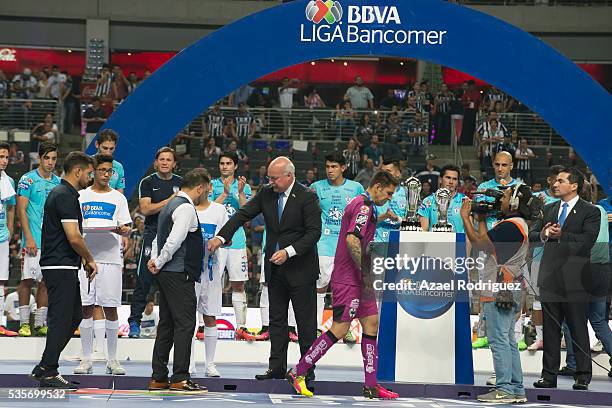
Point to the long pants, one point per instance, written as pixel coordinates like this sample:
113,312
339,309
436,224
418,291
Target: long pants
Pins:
144,281
177,320
64,314
304,300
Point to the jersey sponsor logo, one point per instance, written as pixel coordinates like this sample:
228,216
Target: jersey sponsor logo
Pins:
361,219
208,231
98,209
335,213
364,209
24,184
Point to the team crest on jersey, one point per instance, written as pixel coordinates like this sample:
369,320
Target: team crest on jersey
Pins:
334,213
364,209
353,308
230,210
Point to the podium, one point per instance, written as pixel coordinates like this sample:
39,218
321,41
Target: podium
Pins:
424,334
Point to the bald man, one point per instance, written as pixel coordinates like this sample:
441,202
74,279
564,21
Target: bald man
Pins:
293,226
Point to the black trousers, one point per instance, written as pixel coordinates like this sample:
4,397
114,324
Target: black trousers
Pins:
177,320
144,281
304,300
64,314
575,315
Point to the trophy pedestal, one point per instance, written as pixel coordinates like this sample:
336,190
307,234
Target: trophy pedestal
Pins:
442,228
411,225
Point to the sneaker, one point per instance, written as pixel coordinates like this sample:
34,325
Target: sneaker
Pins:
520,399
536,345
263,335
496,396
597,347
349,338
492,380
134,330
211,370
522,346
243,334
24,330
113,367
480,342
200,333
84,367
8,333
298,382
293,336
40,331
379,392
57,382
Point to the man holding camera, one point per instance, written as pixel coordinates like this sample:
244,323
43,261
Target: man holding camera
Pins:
506,245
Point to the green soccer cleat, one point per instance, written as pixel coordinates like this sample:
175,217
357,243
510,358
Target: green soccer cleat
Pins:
24,330
349,338
480,342
522,346
40,331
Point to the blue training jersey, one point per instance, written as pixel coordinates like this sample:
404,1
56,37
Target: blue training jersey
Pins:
232,204
491,184
4,232
36,189
333,200
429,210
397,204
118,178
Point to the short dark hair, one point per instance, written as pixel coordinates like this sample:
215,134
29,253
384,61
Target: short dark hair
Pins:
107,135
336,157
5,146
450,167
230,155
165,149
76,159
46,147
102,158
384,178
575,177
391,160
195,177
555,170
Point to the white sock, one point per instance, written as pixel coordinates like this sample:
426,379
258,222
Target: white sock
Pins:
320,309
192,362
239,301
264,306
1,302
99,332
210,343
40,316
518,328
86,329
539,332
112,332
24,314
291,316
200,320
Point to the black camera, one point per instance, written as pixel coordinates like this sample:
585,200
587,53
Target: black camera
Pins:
488,207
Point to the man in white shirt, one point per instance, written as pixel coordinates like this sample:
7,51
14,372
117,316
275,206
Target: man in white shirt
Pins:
106,217
286,91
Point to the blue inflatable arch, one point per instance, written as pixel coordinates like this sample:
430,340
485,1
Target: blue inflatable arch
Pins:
431,30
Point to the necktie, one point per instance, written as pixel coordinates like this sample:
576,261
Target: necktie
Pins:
281,203
563,215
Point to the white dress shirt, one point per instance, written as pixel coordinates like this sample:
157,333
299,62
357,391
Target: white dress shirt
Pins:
290,250
185,220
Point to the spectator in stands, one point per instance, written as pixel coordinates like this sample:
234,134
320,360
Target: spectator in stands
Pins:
470,100
241,94
42,86
24,85
310,178
229,131
430,173
536,187
56,83
245,126
418,96
361,97
214,125
345,120
425,189
145,75
550,157
428,100
374,151
523,158
43,132
468,188
353,159
232,147
94,117
465,171
70,97
492,96
391,128
288,88
488,140
363,132
417,136
442,111
390,100
104,82
211,150
16,156
259,179
5,86
366,173
119,87
312,99
132,82
506,145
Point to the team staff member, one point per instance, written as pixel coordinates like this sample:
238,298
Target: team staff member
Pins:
7,216
62,251
155,191
428,210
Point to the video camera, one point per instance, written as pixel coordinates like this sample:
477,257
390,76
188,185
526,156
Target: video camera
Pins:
488,207
531,210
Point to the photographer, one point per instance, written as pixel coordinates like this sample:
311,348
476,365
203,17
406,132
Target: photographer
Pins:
507,245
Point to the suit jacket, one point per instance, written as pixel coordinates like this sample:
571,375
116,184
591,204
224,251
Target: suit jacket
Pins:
564,270
300,226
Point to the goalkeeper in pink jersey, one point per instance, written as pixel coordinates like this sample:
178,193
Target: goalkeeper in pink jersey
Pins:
352,290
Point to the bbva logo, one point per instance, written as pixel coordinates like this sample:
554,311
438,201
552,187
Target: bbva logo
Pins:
373,14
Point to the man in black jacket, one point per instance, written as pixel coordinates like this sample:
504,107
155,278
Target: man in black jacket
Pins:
293,227
570,228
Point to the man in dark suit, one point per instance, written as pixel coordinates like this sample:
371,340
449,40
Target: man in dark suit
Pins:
293,226
570,228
